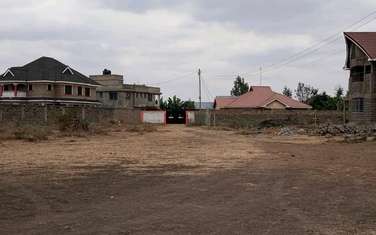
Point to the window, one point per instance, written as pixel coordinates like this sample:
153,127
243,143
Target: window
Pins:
136,95
79,91
150,97
8,87
128,96
113,95
68,90
101,95
87,92
358,105
357,74
49,87
30,87
368,69
353,50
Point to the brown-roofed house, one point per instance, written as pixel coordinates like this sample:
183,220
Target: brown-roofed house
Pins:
361,62
259,97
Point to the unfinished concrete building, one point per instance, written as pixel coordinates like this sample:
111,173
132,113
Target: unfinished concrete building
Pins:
361,62
115,94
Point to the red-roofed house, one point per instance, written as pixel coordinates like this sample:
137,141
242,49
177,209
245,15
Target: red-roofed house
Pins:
361,62
259,97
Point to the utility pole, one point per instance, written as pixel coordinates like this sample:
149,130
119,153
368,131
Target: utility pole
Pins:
199,87
260,76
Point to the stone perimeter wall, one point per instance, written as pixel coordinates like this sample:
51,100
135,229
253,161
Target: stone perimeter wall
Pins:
50,114
251,118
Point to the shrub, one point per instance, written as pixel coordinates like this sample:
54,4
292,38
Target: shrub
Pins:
68,122
31,133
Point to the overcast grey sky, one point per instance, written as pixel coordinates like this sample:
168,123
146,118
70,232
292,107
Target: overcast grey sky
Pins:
156,41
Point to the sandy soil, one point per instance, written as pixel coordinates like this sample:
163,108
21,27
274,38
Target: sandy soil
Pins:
182,180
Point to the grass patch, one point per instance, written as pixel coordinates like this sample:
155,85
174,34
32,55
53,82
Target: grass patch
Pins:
32,133
143,128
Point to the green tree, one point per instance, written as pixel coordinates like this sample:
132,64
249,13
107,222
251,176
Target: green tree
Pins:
240,87
175,106
162,104
287,92
323,101
305,92
189,104
340,92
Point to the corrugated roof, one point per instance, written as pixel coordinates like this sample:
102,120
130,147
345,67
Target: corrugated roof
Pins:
222,101
365,40
260,97
49,69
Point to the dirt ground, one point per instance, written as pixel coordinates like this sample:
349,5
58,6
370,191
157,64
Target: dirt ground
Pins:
182,180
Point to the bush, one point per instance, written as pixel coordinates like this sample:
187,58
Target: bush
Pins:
70,123
32,134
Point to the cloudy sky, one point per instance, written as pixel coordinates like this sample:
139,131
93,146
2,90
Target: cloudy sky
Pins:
164,42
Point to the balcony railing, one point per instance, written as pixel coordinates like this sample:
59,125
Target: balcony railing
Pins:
11,94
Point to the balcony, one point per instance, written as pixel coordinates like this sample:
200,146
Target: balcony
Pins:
11,94
10,91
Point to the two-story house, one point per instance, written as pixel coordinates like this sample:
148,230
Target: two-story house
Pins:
114,93
47,81
361,62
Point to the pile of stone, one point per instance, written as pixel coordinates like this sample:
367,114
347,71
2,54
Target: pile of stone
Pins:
351,133
286,131
336,130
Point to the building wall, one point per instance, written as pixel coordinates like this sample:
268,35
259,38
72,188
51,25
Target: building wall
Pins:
109,80
128,99
276,105
127,95
362,89
40,90
59,91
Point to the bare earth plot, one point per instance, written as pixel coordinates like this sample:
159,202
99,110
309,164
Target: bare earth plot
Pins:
187,181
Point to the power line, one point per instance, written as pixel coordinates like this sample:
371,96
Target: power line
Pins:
209,94
314,47
327,40
317,46
281,66
174,79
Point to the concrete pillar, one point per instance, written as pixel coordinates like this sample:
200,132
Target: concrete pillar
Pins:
22,113
45,114
15,89
83,114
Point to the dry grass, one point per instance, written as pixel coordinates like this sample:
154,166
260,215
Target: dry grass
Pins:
28,132
32,133
138,148
141,129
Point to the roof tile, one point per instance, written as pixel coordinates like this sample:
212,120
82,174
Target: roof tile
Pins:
366,40
259,97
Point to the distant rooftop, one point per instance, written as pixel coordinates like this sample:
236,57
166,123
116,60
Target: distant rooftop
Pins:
204,105
258,97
